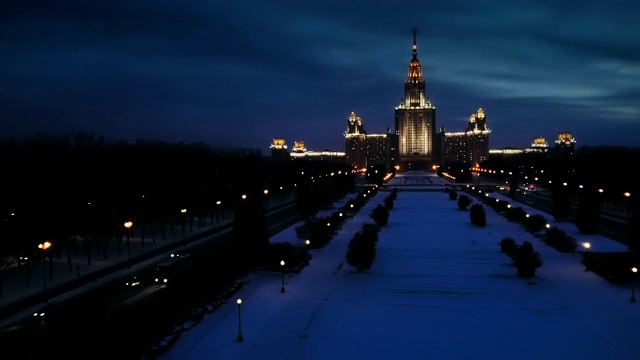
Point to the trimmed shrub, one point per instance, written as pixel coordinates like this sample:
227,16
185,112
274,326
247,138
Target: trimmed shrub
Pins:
380,215
294,257
509,247
535,223
361,250
560,240
527,260
615,267
453,195
516,215
317,231
463,202
501,206
394,194
388,203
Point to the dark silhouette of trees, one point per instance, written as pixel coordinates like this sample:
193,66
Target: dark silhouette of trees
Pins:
460,171
634,230
375,174
250,229
561,201
80,189
588,211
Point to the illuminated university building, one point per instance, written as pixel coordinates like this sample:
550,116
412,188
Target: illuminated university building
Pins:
279,150
470,146
565,143
300,152
539,145
415,121
362,149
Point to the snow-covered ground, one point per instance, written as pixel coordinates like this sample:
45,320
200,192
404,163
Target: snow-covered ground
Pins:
439,289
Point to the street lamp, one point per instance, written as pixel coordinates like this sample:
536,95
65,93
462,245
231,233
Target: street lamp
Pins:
239,302
183,211
44,246
626,195
633,284
282,264
586,264
128,225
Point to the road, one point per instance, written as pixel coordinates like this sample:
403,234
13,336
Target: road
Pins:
612,224
116,319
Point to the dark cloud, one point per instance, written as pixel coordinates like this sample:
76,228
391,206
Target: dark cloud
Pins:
240,73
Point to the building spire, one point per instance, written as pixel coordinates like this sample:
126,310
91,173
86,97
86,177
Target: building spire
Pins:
415,47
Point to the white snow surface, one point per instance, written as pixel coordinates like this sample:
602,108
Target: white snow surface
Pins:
439,288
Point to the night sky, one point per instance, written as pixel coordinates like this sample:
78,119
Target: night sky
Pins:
240,73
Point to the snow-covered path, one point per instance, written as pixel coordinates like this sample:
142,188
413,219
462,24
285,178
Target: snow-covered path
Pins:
439,289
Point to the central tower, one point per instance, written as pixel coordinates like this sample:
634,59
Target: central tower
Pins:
415,120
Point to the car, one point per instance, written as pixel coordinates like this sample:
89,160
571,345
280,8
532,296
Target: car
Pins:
133,281
48,311
179,254
40,314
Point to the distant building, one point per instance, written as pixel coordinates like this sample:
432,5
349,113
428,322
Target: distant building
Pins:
565,143
362,149
379,149
415,121
470,146
539,145
279,151
298,147
355,142
300,152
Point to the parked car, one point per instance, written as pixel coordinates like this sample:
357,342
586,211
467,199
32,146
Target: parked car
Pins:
133,281
46,312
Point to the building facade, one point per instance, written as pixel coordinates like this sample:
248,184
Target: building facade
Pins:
355,142
565,143
300,153
415,121
279,151
539,145
470,146
363,150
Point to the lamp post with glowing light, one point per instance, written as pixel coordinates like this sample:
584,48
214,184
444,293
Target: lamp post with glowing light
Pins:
626,195
239,302
44,246
282,264
184,220
634,270
128,225
586,264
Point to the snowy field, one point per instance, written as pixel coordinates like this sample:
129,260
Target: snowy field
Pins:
439,289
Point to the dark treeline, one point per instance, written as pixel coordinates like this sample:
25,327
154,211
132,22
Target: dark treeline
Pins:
609,168
77,190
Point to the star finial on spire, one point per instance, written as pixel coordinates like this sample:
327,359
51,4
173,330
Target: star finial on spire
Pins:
415,47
